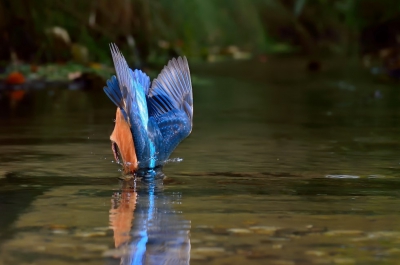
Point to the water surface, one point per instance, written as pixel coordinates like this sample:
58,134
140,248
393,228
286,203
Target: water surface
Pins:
283,167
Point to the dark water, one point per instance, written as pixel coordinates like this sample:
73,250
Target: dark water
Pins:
282,167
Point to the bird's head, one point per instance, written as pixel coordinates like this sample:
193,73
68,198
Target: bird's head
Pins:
122,144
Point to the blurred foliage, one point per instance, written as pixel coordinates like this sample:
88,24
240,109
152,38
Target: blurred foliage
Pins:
152,31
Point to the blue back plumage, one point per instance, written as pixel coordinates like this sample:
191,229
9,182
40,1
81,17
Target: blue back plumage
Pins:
140,84
161,115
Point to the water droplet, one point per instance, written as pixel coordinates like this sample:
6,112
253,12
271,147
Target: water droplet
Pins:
342,177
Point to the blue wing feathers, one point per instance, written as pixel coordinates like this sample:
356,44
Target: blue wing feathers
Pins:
113,92
174,126
174,82
158,105
160,114
171,103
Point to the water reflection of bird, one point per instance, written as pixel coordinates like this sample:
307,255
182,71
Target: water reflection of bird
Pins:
146,229
151,120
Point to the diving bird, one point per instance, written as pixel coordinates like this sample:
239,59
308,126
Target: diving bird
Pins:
151,119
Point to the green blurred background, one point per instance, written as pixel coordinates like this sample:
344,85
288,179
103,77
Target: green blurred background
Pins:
151,32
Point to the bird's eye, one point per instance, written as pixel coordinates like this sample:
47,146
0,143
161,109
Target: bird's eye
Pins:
117,153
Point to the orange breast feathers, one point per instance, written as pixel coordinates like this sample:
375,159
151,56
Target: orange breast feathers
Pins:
122,144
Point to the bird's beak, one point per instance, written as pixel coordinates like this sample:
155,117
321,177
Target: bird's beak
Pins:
122,144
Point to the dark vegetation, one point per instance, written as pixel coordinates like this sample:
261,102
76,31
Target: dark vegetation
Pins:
75,34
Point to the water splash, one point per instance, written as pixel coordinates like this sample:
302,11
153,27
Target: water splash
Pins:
342,177
174,160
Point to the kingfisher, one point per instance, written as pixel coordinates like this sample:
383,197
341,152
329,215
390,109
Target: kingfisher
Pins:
151,118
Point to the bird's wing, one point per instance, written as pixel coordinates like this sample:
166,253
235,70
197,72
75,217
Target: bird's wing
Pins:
172,89
128,92
114,93
170,103
174,127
